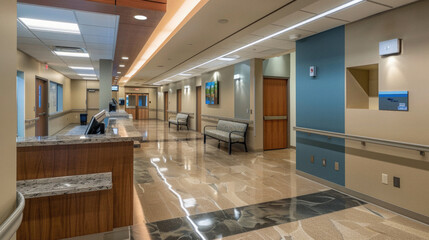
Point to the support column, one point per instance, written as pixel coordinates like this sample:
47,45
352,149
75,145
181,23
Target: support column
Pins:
8,61
105,94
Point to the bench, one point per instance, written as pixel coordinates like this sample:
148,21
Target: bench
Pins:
229,132
181,119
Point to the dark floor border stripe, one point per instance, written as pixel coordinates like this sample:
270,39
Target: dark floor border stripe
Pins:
238,220
381,203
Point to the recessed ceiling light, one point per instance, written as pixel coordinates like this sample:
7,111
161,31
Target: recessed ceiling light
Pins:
121,65
227,58
185,74
118,72
86,75
51,26
81,68
89,78
140,17
223,21
71,54
124,58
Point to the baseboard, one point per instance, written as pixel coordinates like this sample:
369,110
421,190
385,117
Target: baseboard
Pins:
383,204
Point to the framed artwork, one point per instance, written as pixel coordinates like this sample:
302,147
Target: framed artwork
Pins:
212,92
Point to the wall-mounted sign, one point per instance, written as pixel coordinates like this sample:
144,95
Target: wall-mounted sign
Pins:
393,101
389,47
312,71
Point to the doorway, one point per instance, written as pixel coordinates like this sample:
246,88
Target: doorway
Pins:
179,100
41,107
137,104
199,108
165,106
20,104
92,102
275,113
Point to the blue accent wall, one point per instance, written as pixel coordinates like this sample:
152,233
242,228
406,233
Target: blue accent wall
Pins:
320,103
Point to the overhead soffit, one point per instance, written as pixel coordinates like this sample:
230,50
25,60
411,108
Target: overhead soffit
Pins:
131,33
203,38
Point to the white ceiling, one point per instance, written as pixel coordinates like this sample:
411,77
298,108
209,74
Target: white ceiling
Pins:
98,37
203,38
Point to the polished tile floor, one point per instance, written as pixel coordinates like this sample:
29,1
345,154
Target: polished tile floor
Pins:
187,190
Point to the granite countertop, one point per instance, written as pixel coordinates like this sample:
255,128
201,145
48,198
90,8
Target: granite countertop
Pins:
117,130
46,187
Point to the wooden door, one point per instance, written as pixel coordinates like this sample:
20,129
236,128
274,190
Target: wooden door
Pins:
165,106
92,103
199,109
179,100
41,107
142,107
275,113
130,105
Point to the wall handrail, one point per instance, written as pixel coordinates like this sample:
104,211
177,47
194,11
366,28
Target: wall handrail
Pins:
9,227
411,146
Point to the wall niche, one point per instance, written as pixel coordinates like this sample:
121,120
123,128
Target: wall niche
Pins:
362,87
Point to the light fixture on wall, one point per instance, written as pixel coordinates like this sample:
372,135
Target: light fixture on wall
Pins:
389,47
187,89
237,77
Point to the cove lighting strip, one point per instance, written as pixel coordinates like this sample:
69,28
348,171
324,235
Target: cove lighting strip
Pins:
50,26
312,19
163,35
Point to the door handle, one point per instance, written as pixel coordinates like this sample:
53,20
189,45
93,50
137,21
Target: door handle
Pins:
42,114
275,118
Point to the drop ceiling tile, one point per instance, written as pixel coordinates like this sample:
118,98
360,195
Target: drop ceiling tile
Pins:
22,31
97,31
322,24
58,36
276,43
268,30
394,3
248,39
298,32
33,41
97,19
98,39
45,13
51,42
98,46
76,61
293,18
362,10
324,5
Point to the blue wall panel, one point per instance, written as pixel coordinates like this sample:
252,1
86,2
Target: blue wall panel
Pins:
320,103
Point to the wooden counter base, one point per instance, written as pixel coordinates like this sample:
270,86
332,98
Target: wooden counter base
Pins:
66,160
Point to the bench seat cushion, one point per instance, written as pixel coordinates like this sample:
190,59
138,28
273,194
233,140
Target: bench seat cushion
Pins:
228,126
174,121
224,136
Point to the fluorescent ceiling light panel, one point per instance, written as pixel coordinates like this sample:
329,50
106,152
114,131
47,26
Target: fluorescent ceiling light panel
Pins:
89,78
312,19
185,74
227,59
86,75
50,26
81,68
71,54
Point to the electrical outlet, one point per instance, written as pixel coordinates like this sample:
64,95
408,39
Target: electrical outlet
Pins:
384,178
324,162
397,182
337,166
312,159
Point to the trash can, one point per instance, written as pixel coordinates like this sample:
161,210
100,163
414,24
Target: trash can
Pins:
83,118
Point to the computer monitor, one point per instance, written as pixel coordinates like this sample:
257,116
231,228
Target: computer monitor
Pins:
96,125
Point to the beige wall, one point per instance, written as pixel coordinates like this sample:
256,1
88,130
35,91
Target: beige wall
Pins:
8,120
32,68
407,71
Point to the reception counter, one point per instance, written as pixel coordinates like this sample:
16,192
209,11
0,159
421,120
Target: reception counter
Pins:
104,162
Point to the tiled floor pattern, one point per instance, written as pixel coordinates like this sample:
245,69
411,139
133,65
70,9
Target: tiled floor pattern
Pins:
179,178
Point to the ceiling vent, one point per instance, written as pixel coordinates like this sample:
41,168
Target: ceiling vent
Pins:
69,49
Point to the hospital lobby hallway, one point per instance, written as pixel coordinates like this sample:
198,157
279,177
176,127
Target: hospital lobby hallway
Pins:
184,189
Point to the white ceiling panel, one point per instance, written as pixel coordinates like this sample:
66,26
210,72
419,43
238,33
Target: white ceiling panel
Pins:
276,43
45,13
99,46
360,11
51,42
97,31
394,3
58,36
268,30
76,61
97,39
293,18
96,19
322,24
26,40
23,31
324,5
298,32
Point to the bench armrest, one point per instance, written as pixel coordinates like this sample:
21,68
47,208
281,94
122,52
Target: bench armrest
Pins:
230,133
208,126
